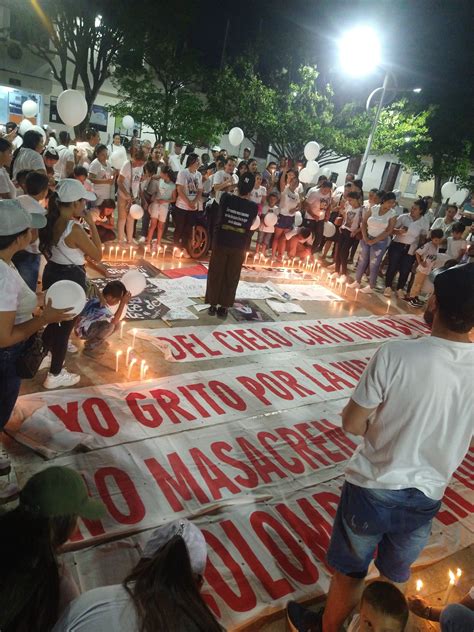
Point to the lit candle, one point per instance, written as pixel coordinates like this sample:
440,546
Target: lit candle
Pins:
123,254
419,585
246,256
357,294
174,251
345,289
117,357
388,306
116,252
130,367
127,355
452,583
145,251
122,325
134,254
255,257
131,252
103,249
158,251
145,369
164,251
134,333
142,366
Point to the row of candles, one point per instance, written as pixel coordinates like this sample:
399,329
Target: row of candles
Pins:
131,362
453,581
116,253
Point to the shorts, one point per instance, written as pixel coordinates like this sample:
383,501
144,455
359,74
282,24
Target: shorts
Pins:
264,238
392,525
285,221
159,211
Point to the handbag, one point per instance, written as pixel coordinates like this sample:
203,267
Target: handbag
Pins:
28,363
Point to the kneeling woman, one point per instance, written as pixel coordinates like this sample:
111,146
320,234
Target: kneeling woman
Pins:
236,215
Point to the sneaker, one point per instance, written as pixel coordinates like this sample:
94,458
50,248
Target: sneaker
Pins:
300,619
388,292
62,379
222,312
355,285
367,290
342,278
45,362
71,348
9,493
5,466
400,293
142,240
212,310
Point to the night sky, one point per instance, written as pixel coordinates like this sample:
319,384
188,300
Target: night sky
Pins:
426,43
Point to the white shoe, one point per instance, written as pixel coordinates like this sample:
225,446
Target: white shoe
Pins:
342,278
355,285
388,292
8,493
185,255
367,290
45,362
63,379
142,240
401,293
71,348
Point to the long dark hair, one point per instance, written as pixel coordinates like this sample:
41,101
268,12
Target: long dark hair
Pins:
46,233
98,149
169,172
29,581
31,140
191,159
166,595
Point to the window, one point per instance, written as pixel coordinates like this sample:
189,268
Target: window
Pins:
354,164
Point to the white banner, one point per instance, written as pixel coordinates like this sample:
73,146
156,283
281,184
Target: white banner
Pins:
225,341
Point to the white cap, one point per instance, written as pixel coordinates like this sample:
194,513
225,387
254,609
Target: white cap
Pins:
192,536
14,219
70,190
31,205
216,148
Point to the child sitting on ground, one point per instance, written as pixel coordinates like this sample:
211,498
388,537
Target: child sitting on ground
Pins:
425,257
456,245
383,608
265,232
101,317
300,244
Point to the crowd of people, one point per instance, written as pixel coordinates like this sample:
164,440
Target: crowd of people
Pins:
61,200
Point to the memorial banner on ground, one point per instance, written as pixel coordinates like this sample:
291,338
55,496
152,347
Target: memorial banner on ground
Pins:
226,341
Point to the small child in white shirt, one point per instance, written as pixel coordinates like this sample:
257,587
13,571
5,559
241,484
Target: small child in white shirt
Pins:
265,231
425,257
456,245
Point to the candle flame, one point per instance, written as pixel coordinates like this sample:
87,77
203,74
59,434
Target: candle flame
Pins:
118,353
452,576
458,573
419,585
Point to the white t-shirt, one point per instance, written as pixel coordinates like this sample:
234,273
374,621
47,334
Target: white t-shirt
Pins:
132,177
418,436
165,189
28,159
256,195
428,254
446,228
318,203
219,178
192,183
376,224
104,609
289,201
174,161
454,247
352,218
66,154
6,185
102,172
15,295
412,235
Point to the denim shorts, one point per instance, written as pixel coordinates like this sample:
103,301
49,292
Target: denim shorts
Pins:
391,525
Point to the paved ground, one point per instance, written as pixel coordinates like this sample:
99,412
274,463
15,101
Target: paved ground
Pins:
102,371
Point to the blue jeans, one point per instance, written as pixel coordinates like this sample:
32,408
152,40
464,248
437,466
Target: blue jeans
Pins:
371,256
28,265
394,523
457,618
9,380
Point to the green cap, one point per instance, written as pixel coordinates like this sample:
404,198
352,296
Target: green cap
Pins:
59,491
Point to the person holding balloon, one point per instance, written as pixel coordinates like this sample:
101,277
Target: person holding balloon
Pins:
17,301
289,203
128,193
66,244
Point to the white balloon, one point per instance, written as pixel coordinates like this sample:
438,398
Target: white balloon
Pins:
128,122
134,281
236,136
256,223
448,189
459,197
313,167
67,294
304,175
326,172
29,108
136,211
298,218
72,107
38,128
24,126
329,229
270,219
118,157
311,150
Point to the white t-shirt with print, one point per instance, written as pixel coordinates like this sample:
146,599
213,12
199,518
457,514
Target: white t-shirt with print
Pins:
15,295
220,177
377,223
428,254
192,184
289,201
6,185
256,195
352,218
318,203
28,159
454,247
132,177
102,172
418,436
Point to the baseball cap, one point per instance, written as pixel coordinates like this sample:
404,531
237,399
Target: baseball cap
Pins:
192,536
216,148
59,491
70,190
15,219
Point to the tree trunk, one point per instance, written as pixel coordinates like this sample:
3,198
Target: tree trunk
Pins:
438,183
80,130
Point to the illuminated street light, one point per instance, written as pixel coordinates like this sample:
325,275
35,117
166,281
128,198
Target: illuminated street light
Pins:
417,90
359,51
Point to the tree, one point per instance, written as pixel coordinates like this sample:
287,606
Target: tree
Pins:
83,38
